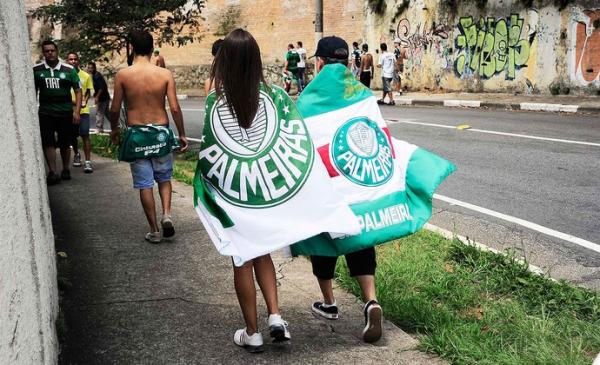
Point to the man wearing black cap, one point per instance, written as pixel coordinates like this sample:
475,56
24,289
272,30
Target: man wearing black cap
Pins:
362,264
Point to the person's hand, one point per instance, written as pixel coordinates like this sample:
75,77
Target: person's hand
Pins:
114,135
183,142
76,117
96,101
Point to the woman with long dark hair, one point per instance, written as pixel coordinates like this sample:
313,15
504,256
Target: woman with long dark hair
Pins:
239,85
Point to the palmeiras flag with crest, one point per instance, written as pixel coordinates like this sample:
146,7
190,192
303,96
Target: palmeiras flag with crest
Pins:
262,188
388,183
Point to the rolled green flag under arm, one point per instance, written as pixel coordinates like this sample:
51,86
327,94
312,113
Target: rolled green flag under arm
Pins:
388,183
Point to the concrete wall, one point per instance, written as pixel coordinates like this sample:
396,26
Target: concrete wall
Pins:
28,294
501,46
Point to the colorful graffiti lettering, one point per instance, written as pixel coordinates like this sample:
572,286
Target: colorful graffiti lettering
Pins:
419,39
491,47
585,47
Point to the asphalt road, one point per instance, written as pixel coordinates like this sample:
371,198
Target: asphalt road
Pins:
542,170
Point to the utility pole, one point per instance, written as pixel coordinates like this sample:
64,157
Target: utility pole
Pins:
318,21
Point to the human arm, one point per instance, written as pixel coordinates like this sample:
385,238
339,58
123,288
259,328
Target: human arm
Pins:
176,112
115,108
207,86
76,85
88,90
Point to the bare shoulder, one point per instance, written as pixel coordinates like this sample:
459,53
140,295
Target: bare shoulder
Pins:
123,73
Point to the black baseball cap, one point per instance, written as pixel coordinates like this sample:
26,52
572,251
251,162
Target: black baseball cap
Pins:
332,47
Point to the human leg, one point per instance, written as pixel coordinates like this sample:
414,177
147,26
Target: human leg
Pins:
163,170
301,78
265,276
362,265
64,131
143,179
147,199
48,126
323,269
243,281
267,281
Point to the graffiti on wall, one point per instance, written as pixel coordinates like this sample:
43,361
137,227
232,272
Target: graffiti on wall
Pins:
492,46
424,39
585,47
419,39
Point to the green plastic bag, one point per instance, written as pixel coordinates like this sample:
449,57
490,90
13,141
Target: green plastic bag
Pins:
147,141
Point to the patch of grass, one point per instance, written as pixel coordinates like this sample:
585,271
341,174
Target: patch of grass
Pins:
475,307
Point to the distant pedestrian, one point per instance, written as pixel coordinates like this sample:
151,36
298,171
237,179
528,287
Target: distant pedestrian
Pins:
400,56
366,66
356,60
143,88
101,96
158,59
301,65
83,129
292,58
208,84
386,63
54,81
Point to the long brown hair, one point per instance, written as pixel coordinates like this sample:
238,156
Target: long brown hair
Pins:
237,73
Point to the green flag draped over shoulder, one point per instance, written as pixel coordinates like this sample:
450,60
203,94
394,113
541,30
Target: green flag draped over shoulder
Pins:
262,188
388,183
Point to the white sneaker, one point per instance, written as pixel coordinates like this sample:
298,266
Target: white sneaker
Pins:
252,343
278,328
87,167
153,237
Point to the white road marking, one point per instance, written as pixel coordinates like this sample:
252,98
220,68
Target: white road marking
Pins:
530,225
497,133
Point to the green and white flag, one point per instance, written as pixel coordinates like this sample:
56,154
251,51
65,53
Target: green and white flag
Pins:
263,188
388,183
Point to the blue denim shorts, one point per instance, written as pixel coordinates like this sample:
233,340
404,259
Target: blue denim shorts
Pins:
147,170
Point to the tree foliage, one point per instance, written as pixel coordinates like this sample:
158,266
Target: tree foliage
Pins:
98,27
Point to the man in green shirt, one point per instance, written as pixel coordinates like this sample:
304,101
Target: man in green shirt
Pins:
53,83
292,58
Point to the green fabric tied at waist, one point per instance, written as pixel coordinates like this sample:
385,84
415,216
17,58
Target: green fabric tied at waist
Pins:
147,141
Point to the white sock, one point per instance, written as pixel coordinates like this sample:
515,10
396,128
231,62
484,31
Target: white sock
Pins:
324,305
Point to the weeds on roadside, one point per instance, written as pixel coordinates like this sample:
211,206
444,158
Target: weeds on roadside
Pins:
476,307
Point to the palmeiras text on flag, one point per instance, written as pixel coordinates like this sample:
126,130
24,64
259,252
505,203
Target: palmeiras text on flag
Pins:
388,183
262,188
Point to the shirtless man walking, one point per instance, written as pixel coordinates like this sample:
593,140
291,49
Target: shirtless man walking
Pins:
366,66
143,87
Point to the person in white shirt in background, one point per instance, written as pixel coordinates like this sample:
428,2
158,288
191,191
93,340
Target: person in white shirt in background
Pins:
386,63
301,65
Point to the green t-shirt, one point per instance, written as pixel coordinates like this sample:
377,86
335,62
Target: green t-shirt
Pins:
293,58
54,85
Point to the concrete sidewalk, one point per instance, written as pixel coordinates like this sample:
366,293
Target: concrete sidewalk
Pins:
174,303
